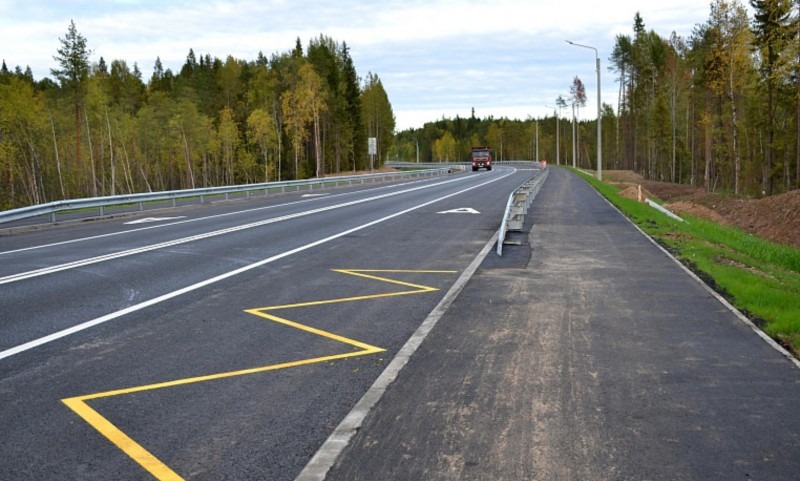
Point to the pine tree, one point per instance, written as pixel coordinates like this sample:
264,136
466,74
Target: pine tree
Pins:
377,114
622,62
771,30
73,58
352,99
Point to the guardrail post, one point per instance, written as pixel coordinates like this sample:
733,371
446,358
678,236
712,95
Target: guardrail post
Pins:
102,211
53,217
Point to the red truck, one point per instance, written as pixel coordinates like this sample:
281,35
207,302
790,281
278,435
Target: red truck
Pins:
481,157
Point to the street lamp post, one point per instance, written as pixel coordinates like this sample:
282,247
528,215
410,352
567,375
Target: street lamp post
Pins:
599,113
417,142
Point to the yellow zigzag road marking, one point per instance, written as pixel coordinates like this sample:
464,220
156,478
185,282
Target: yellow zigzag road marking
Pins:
163,472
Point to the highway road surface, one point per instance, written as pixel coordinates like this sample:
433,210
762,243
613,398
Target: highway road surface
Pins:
225,341
596,358
261,339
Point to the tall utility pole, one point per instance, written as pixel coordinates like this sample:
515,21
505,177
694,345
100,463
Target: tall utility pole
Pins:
574,146
558,117
557,114
599,113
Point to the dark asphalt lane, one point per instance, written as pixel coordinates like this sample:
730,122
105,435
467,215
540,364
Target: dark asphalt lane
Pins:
598,359
212,389
64,299
57,245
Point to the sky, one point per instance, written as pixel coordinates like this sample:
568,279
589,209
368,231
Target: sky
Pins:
435,58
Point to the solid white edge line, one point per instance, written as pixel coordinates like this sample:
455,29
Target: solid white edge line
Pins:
319,465
763,335
100,320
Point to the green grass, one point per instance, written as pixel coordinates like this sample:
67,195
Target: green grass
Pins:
759,277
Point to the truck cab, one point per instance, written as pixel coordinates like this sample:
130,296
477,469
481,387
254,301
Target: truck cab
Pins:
481,157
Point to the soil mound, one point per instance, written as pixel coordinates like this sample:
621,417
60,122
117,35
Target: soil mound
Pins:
776,218
632,192
682,208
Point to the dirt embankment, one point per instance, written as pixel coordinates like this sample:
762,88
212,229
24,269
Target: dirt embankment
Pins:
776,218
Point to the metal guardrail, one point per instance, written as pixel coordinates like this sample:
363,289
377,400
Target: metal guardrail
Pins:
52,208
426,165
517,206
460,165
520,163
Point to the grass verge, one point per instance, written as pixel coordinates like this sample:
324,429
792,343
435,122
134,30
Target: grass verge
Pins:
758,277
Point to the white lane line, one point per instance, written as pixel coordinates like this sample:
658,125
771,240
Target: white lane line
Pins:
156,300
117,255
149,220
198,219
326,456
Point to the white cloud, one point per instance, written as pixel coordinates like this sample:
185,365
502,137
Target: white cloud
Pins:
435,57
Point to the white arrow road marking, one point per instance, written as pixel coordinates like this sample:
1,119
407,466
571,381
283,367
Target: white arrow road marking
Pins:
463,210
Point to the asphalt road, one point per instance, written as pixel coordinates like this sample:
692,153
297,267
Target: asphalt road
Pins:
222,342
231,341
593,356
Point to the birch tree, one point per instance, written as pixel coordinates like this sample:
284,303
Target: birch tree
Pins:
262,133
296,116
229,143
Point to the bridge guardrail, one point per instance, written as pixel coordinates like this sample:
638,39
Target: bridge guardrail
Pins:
52,208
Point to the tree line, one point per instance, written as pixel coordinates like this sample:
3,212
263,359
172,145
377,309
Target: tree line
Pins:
451,140
720,109
98,129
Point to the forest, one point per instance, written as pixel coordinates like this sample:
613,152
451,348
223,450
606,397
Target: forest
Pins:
719,110
98,129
